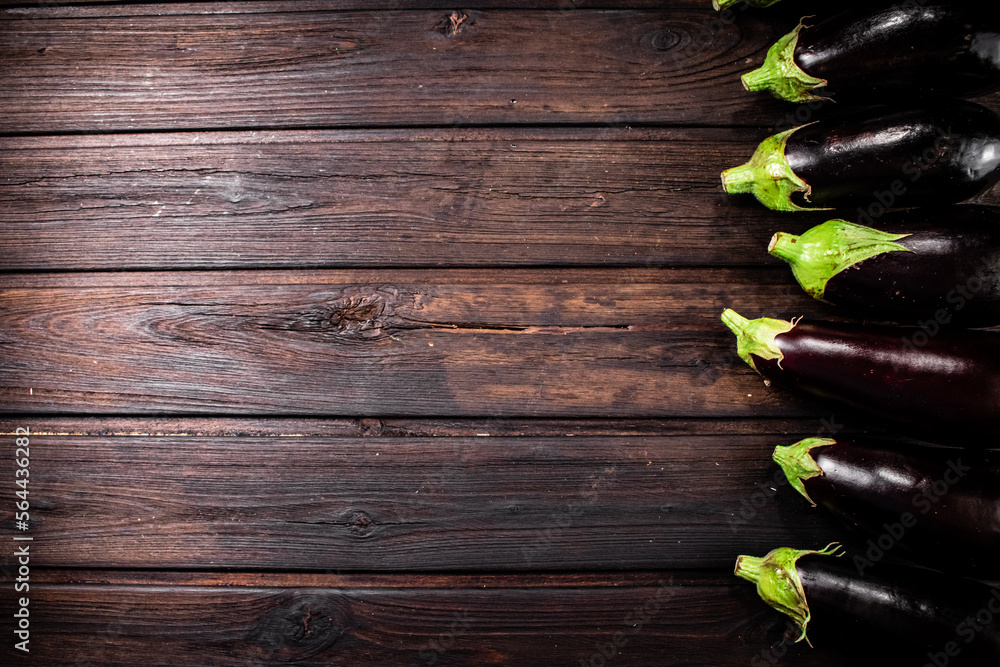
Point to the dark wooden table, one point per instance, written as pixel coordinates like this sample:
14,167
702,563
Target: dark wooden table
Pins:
385,333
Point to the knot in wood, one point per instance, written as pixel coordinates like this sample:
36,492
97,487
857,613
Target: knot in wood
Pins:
298,627
360,524
454,23
371,427
364,312
360,315
663,40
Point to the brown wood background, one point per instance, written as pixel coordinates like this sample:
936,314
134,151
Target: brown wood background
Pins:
377,333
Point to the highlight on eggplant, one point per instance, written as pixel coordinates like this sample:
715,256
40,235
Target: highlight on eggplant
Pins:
927,610
868,55
938,505
934,153
938,265
948,383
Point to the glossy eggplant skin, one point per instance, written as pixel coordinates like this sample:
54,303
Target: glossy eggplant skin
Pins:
931,154
942,505
949,382
904,50
922,609
952,277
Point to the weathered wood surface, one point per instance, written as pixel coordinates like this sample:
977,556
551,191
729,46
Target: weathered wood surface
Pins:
284,65
413,503
502,197
340,388
402,427
95,8
466,621
119,68
569,343
414,198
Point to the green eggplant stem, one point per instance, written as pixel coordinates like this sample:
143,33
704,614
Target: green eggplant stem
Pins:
769,177
830,248
778,582
799,465
782,76
756,337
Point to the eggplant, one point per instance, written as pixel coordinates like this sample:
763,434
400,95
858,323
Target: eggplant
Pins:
933,614
926,267
948,382
941,506
871,55
936,153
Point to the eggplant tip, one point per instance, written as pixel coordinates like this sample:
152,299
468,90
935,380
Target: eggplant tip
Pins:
756,337
773,241
733,320
778,582
797,463
781,75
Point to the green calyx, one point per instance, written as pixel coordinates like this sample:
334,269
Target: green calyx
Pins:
827,249
726,4
778,582
782,76
768,176
756,337
798,463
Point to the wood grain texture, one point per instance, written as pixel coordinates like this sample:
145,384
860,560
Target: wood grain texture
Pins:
316,376
412,504
370,427
427,198
702,623
102,8
380,198
208,66
581,343
119,69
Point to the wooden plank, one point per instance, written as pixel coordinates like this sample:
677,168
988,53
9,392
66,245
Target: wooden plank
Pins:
370,427
414,503
663,623
119,69
94,8
504,197
558,343
380,198
208,65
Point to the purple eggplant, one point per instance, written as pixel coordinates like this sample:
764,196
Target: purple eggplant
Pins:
886,53
929,614
934,153
925,267
939,505
946,380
